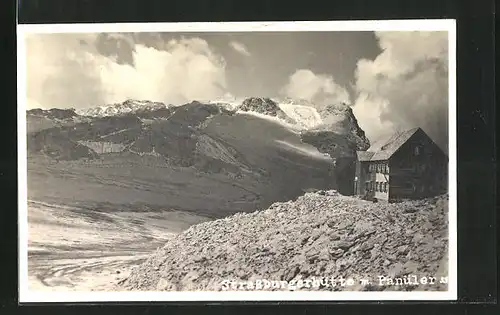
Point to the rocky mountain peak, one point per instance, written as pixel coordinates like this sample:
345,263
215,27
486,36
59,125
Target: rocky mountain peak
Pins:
54,113
339,126
263,105
126,107
295,101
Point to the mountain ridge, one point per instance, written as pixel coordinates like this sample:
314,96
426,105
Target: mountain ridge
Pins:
274,107
209,138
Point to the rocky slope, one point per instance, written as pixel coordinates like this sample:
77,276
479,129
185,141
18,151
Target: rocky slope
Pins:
39,119
321,234
54,113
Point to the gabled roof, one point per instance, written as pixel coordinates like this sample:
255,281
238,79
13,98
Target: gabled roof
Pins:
385,148
364,155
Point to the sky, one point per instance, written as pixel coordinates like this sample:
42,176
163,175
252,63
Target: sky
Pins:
392,80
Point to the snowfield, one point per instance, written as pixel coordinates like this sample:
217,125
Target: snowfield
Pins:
306,117
81,249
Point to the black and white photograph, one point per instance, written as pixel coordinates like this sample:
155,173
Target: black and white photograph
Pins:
237,161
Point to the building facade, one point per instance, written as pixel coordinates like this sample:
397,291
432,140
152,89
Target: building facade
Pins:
407,165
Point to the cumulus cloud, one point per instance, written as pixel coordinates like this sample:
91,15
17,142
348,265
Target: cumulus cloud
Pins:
239,47
405,86
367,110
68,70
319,89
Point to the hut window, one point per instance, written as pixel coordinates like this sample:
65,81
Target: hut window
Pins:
418,150
385,186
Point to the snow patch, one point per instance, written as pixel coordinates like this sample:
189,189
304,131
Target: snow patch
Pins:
227,102
308,151
129,106
292,127
306,116
101,147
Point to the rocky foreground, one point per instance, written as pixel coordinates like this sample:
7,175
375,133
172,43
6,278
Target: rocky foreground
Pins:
321,234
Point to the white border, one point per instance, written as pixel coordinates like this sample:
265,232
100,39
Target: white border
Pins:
386,25
395,25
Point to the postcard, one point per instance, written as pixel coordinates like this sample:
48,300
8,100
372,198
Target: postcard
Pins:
277,161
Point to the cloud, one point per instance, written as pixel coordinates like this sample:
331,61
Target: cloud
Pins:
73,70
316,88
239,47
367,110
405,86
